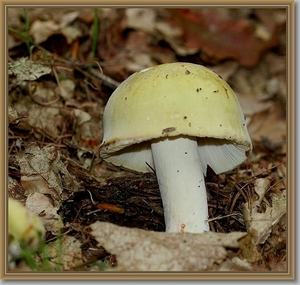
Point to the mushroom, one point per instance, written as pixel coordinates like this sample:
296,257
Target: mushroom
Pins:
24,228
176,118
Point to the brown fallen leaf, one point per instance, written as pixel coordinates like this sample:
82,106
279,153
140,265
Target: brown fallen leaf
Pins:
42,30
45,118
268,127
43,171
260,217
220,36
65,252
42,206
141,18
141,250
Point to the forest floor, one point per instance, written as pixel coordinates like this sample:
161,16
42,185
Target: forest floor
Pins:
64,63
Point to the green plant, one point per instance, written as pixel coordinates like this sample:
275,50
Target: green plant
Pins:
40,259
24,33
95,33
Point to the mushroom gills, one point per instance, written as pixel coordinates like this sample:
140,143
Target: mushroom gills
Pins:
221,155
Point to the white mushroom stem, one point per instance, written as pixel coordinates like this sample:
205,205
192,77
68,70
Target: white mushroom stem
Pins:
182,186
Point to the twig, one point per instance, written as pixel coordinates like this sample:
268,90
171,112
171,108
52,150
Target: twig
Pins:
106,80
221,217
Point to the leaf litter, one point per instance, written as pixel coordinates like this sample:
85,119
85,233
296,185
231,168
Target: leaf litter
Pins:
95,212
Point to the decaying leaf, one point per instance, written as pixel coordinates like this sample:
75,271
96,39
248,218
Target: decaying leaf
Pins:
41,205
15,190
263,129
41,30
220,36
65,253
141,19
81,116
71,33
66,89
260,220
25,69
41,116
248,250
43,171
141,250
12,115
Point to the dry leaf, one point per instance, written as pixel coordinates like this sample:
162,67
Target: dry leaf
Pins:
143,19
81,116
66,89
42,206
25,69
269,126
141,250
47,119
12,115
71,33
15,190
139,61
43,171
65,251
172,35
225,69
68,18
220,36
42,30
260,221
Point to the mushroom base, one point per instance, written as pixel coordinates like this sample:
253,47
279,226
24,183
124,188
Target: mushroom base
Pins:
181,182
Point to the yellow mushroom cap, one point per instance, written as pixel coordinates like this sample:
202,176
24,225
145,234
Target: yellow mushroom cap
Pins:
23,225
169,100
